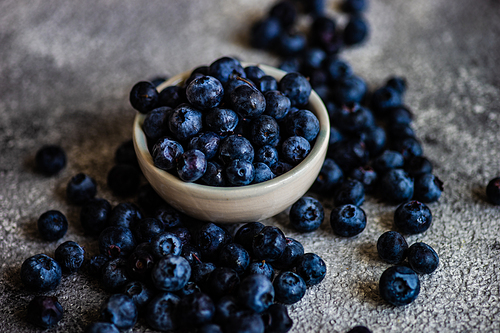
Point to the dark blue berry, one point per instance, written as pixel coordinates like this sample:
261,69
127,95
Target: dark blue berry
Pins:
182,233
351,191
236,147
354,6
206,142
256,292
396,186
493,191
295,149
264,130
171,273
413,217
302,123
244,236
95,265
248,102
120,310
290,64
267,155
50,159
254,73
234,256
290,43
359,329
356,30
205,92
40,273
388,160
375,140
201,271
280,168
264,33
139,293
353,118
367,176
166,244
166,152
392,247
100,327
168,215
139,265
185,122
114,275
285,12
417,165
222,281
337,69
221,121
408,147
348,154
276,319
188,289
44,311
125,214
161,312
124,179
81,188
210,239
399,115
306,214
239,172
397,83
422,258
328,178
52,225
349,90
399,285
191,165
195,310
261,267
269,244
155,123
116,242
292,253
214,175
172,96
385,98
143,97
244,321
428,188
191,253
225,68
209,328
267,83
296,87
277,104
289,287
262,173
70,256
225,308
311,268
348,220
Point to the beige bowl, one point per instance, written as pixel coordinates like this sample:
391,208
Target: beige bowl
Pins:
236,204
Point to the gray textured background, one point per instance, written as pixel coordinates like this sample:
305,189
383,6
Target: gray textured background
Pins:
66,68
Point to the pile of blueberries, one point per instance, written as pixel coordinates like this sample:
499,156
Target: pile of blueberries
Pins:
174,272
228,125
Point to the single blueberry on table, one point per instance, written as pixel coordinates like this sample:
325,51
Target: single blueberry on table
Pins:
399,285
40,273
44,311
161,312
296,87
295,149
306,214
171,273
125,214
191,165
396,186
350,191
101,327
184,122
70,256
225,68
352,118
422,258
413,217
356,30
50,159
311,268
397,83
256,292
276,319
172,96
392,247
385,98
268,244
120,310
388,160
289,287
222,281
302,123
493,191
195,310
236,147
428,188
205,92
114,275
124,179
81,188
52,225
165,153
144,97
417,166
116,242
155,123
348,220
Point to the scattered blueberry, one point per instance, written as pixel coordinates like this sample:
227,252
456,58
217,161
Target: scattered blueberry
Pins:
120,310
422,258
396,186
94,216
161,312
493,191
306,214
399,285
428,188
289,287
50,159
392,247
348,220
171,273
413,217
256,293
70,256
44,311
81,188
143,96
311,268
52,225
40,273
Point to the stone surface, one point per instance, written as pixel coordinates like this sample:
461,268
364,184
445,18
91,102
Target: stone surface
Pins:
67,68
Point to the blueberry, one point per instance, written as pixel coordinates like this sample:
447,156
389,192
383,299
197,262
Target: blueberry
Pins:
422,258
125,214
392,247
290,64
44,311
280,168
267,155
210,239
353,118
254,73
262,173
205,92
385,98
348,220
116,242
311,268
139,265
428,188
171,273
52,225
244,236
312,59
261,267
166,244
328,178
397,83
206,142
70,256
155,123
40,273
289,287
296,87
182,233
348,154
248,102
400,115
195,310
143,96
191,253
114,275
256,293
234,83
166,152
290,43
224,68
201,271
225,308
417,165
264,130
375,140
234,256
285,12
356,30
396,186
388,160
367,176
222,281
191,165
337,69
185,122
302,123
50,159
493,191
267,83
95,265
80,189
354,6
400,132
292,253
172,96
236,147
306,214
124,179
221,121
277,104
120,310
413,217
269,244
408,147
209,328
276,319
168,215
351,191
359,329
349,90
161,312
314,7
139,293
100,327
214,175
399,285
244,321
295,149
264,32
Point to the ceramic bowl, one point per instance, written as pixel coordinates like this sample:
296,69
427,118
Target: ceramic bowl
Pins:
236,204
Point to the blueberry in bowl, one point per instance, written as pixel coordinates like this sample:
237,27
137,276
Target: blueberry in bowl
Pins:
226,202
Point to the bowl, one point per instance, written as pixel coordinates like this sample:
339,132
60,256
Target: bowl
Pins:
249,203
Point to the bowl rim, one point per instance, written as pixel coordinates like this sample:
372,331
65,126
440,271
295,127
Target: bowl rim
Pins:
201,190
